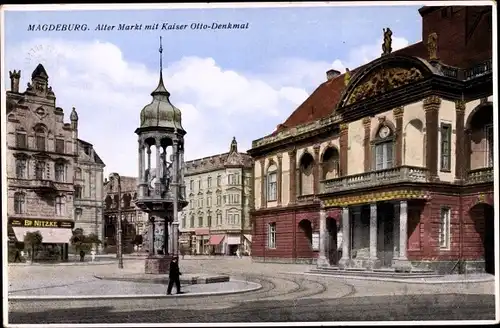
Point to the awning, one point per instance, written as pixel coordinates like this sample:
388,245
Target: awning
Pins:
216,239
49,235
201,232
248,237
233,240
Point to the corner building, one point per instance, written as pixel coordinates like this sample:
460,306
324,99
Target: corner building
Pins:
390,164
54,178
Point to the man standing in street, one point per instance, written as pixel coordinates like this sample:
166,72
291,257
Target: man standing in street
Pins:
174,276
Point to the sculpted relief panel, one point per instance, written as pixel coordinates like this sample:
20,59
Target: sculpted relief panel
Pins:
382,81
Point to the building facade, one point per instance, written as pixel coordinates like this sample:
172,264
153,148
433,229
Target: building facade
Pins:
219,190
43,160
134,221
389,164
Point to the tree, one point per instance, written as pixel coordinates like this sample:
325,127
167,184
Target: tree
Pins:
33,240
83,243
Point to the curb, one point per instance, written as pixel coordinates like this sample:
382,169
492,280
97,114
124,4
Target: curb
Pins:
407,281
164,280
255,287
64,264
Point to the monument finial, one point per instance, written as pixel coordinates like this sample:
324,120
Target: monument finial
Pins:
160,89
161,56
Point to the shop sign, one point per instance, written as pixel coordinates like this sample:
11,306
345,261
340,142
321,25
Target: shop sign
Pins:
28,223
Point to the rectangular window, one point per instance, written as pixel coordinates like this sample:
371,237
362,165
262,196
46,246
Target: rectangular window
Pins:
59,206
21,140
209,201
59,172
271,235
200,221
219,218
21,165
219,180
191,205
19,201
445,147
271,187
60,146
39,170
489,145
209,182
444,228
191,186
184,222
383,156
78,192
40,143
199,184
219,199
191,223
236,219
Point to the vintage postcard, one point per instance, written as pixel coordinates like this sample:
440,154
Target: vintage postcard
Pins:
250,163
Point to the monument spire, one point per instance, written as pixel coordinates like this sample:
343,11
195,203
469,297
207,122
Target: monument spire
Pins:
160,89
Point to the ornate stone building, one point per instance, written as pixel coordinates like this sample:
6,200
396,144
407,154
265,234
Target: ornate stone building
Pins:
133,219
389,164
47,165
219,189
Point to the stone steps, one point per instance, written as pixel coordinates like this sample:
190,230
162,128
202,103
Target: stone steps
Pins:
378,273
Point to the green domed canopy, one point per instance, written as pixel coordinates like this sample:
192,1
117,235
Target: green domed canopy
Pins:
160,112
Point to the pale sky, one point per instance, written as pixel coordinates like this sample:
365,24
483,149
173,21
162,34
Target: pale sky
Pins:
227,83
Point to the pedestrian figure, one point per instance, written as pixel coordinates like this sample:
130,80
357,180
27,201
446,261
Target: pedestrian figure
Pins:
82,255
174,276
238,253
18,256
92,254
22,255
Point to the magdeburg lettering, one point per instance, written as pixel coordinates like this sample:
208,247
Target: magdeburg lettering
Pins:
57,27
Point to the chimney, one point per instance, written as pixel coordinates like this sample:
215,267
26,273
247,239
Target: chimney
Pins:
14,80
331,74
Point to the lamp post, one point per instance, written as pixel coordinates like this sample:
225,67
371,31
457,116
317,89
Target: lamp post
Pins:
116,177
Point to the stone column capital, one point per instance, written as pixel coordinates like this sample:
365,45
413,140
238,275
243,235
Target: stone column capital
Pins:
367,121
343,127
432,102
460,106
398,112
279,156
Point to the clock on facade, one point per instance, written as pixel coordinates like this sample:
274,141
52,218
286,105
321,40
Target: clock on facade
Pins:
384,132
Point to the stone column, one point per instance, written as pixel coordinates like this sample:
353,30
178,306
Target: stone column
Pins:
396,230
151,236
460,141
344,144
367,121
279,178
431,108
141,162
159,235
316,149
149,159
398,117
322,259
170,238
175,188
293,176
346,236
374,261
401,263
158,168
263,198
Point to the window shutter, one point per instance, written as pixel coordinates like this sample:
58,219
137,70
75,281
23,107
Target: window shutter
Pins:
389,154
379,157
265,187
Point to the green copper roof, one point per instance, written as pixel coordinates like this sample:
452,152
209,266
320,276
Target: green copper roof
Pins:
160,112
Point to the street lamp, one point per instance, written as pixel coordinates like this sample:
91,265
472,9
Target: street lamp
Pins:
116,177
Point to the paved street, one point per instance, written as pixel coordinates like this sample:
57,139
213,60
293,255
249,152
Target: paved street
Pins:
283,297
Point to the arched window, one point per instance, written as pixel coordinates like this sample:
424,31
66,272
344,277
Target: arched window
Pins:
60,170
306,174
384,148
209,219
271,178
219,180
330,163
200,221
21,141
40,139
191,223
78,192
19,203
78,173
60,208
184,222
21,168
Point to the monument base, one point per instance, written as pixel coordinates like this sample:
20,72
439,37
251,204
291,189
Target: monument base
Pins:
158,264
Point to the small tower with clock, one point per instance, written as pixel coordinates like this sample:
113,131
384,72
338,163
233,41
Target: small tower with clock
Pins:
160,189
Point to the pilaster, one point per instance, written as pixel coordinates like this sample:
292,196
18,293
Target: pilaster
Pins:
316,149
344,144
279,178
366,143
263,198
398,117
322,260
431,108
345,261
293,176
460,141
401,262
